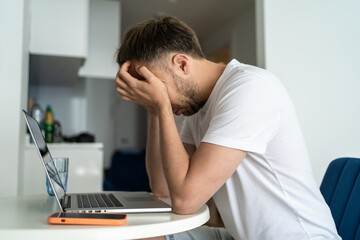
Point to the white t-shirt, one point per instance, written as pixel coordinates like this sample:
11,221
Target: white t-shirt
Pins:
272,194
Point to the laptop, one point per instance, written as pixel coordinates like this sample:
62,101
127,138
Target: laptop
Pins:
112,202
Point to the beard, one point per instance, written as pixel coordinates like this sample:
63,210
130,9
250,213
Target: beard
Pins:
189,95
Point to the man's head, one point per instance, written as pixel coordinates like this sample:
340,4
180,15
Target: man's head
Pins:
151,40
166,46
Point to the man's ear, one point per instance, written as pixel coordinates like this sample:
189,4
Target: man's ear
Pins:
181,64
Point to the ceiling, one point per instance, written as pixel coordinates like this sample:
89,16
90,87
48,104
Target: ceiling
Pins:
204,16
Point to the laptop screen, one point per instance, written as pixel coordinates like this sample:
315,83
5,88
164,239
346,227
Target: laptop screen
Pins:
39,140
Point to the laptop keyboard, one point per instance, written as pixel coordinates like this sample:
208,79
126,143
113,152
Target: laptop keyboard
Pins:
98,201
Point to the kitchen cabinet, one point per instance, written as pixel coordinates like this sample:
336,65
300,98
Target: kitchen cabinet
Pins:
85,167
59,27
104,40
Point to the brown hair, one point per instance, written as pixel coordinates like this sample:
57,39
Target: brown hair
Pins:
152,39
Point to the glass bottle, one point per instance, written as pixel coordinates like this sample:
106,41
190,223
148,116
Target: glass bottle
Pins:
49,125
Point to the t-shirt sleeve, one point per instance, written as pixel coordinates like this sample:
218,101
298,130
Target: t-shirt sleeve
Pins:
245,117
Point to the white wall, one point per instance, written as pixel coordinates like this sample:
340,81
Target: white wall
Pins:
101,100
313,47
14,19
131,125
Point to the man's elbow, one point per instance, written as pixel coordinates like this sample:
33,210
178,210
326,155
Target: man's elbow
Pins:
184,207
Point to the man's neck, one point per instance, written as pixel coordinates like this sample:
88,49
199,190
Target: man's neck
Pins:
206,75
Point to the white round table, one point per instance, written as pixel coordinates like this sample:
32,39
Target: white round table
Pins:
25,217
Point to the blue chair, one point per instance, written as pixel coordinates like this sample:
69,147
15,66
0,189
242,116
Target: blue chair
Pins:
341,190
127,172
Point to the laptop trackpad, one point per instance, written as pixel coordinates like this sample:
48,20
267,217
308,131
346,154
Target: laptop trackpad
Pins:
138,199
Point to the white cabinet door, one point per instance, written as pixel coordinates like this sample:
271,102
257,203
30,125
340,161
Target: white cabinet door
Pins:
104,40
85,169
59,27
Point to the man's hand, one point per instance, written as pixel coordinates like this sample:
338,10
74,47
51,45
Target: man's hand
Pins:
150,93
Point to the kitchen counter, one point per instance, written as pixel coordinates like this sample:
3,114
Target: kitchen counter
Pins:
85,167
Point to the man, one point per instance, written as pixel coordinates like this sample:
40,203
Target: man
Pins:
240,143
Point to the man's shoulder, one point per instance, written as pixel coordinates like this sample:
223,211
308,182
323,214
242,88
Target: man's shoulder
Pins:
244,77
247,71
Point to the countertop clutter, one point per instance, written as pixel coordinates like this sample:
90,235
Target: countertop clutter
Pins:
66,145
52,129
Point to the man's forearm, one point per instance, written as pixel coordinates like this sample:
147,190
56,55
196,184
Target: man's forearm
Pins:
153,158
175,159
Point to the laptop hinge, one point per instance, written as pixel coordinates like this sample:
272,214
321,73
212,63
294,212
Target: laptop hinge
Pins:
66,202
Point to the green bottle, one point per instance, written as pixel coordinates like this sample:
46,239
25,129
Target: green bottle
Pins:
49,125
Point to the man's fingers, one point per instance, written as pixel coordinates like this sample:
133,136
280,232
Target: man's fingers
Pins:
145,73
123,93
125,66
124,75
120,83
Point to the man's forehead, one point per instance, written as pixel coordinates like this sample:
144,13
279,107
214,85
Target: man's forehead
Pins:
135,64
